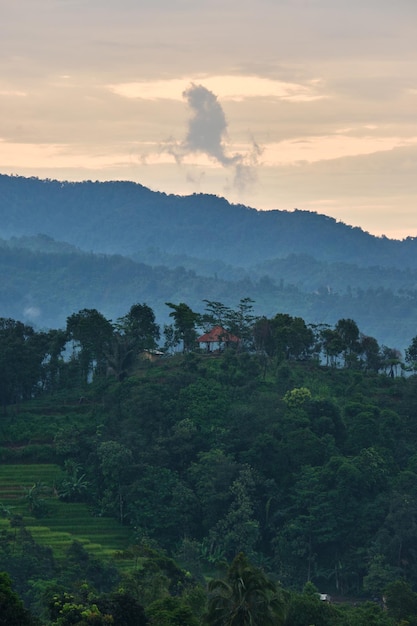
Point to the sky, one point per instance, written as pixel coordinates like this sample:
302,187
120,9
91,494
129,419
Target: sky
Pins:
274,104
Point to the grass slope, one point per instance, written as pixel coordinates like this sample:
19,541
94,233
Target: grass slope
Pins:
62,522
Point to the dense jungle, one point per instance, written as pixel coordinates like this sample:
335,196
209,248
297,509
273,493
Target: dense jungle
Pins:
248,476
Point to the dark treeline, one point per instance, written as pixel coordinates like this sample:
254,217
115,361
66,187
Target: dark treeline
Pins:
33,362
291,444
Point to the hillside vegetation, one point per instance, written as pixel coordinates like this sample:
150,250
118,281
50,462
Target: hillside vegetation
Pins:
294,446
125,218
240,439
68,246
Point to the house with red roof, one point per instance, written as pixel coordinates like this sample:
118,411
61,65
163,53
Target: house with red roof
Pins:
217,339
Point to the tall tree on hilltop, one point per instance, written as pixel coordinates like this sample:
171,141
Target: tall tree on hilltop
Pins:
139,325
348,331
92,333
411,354
22,353
216,314
185,322
240,322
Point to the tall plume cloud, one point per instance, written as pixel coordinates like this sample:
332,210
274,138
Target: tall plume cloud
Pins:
207,134
207,127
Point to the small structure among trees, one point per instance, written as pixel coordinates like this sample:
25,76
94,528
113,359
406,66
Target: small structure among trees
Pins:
219,337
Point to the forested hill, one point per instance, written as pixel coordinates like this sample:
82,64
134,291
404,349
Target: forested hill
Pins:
125,218
44,281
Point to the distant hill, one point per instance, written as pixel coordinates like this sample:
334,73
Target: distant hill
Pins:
126,218
67,246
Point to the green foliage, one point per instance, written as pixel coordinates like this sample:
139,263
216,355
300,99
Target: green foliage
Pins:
22,353
307,608
84,608
185,321
238,529
74,486
379,575
81,566
411,354
12,612
245,597
139,325
296,398
33,497
401,602
307,467
171,611
92,333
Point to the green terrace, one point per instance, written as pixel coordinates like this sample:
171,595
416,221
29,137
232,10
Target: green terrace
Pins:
37,422
61,523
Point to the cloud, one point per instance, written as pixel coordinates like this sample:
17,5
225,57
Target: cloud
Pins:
207,127
228,87
32,312
207,134
341,144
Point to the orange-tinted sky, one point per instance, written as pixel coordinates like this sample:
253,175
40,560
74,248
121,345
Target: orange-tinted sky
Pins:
308,104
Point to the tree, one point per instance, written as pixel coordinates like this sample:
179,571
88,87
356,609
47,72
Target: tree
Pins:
284,336
171,611
80,566
307,608
379,575
12,611
93,333
239,529
161,505
311,525
21,358
135,332
240,322
33,497
53,364
297,397
121,356
115,462
74,487
123,608
348,332
411,354
390,360
211,478
332,345
246,597
263,336
139,325
216,314
401,602
185,321
369,347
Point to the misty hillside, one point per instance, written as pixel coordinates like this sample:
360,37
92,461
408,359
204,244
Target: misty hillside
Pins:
44,286
127,218
69,246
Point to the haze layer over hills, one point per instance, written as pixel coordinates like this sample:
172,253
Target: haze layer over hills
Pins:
67,246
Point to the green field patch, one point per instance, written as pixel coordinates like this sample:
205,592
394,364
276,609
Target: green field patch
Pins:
62,522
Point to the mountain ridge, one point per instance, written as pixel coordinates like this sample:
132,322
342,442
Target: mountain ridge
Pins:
94,245
123,217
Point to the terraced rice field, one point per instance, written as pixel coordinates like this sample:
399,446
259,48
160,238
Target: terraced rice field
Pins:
63,522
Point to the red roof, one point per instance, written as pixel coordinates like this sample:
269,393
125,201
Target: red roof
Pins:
217,335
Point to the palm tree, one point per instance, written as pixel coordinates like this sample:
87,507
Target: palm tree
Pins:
120,355
35,502
246,597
